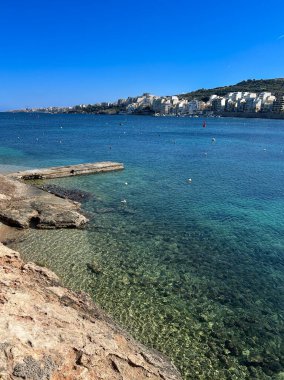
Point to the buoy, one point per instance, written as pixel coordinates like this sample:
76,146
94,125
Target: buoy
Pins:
126,183
189,180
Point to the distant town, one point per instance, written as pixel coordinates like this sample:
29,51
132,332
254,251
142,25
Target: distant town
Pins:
198,103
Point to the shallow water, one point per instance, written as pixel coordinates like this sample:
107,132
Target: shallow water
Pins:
194,269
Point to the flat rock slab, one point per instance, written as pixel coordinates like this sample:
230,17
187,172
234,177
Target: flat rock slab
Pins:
67,171
50,332
24,206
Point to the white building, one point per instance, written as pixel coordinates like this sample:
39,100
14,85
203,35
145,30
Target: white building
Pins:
182,107
166,107
218,104
193,106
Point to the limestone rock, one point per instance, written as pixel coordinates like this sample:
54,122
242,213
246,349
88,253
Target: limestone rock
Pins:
24,206
50,332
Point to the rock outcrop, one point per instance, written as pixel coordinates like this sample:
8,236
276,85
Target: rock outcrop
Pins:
48,332
22,205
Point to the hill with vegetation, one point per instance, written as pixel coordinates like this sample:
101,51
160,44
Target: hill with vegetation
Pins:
250,85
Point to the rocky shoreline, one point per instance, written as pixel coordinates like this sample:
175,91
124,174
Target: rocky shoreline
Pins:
48,206
50,332
27,206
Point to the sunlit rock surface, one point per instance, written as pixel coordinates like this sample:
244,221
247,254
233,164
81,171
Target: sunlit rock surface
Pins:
50,332
24,206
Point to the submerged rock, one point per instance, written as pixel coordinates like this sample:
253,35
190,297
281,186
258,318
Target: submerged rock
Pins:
50,332
94,267
72,194
105,210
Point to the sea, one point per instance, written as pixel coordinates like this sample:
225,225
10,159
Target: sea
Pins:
185,246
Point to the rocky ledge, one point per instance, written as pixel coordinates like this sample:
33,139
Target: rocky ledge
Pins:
48,332
24,206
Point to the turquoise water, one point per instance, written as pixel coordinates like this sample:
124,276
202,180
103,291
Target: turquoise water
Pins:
194,269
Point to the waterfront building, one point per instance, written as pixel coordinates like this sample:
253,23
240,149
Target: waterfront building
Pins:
278,104
236,96
166,107
212,97
194,106
121,102
241,105
157,105
174,100
131,108
249,105
267,105
257,105
231,105
181,107
249,95
264,95
217,103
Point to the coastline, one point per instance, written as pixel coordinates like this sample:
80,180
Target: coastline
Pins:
48,331
159,262
24,205
253,115
237,115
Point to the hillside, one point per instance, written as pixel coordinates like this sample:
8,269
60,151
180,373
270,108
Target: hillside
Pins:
251,85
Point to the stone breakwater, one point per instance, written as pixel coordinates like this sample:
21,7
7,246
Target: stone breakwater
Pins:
68,171
50,332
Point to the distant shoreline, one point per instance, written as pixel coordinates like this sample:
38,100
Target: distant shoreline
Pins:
251,115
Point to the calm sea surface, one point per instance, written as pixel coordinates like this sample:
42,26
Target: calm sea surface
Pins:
194,269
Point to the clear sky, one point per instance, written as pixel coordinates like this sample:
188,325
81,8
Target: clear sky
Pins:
71,52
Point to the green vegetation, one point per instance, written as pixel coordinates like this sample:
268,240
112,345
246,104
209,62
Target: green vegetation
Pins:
250,85
275,86
95,108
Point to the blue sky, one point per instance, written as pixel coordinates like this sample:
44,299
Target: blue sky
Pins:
70,52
